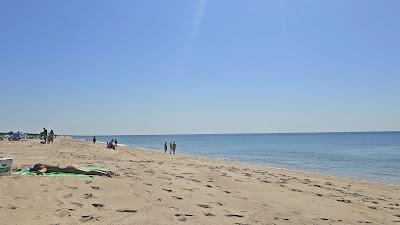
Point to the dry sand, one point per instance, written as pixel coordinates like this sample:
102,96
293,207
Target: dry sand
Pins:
154,188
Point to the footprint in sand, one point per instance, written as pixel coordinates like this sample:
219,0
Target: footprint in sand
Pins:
234,215
344,200
11,207
282,181
182,217
167,190
97,205
77,204
88,218
203,206
72,188
278,218
208,214
362,221
126,210
95,188
149,171
305,181
186,173
164,178
68,195
183,214
88,195
61,213
176,197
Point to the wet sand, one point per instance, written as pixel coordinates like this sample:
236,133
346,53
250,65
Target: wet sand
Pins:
154,188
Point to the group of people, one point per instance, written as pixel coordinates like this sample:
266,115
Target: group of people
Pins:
112,144
47,137
172,148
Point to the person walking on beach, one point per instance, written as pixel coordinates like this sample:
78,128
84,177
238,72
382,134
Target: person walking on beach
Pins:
94,140
45,135
165,148
174,147
170,147
51,136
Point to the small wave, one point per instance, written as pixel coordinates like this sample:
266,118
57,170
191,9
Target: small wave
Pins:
386,174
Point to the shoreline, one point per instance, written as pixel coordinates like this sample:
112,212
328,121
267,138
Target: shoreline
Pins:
157,188
244,163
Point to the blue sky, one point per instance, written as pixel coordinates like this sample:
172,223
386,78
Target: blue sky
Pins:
177,66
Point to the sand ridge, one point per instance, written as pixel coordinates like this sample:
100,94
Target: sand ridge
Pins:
154,188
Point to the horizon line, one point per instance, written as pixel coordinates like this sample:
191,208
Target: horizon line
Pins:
229,133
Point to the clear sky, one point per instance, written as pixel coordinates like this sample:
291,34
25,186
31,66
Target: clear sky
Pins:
198,66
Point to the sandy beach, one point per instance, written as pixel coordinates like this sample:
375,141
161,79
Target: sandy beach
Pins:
154,188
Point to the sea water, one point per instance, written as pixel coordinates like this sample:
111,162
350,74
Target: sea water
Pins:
373,156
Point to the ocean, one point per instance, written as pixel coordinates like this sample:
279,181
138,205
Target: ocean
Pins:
373,156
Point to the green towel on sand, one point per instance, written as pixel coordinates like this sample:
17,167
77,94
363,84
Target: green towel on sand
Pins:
83,176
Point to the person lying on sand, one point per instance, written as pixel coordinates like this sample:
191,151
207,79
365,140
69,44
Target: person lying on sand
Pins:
44,168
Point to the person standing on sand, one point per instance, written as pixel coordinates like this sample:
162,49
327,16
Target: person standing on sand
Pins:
165,148
170,147
51,136
45,135
116,142
94,140
174,147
